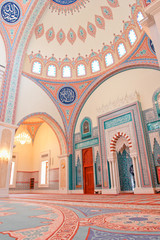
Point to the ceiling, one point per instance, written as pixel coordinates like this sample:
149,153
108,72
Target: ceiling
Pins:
71,31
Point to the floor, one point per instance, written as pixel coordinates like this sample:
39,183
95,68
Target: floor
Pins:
78,217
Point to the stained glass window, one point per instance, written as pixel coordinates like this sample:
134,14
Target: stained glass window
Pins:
95,66
108,59
66,71
139,18
132,36
51,71
37,67
121,50
81,70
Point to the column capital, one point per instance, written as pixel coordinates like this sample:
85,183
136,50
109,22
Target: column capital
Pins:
8,125
110,159
63,156
153,8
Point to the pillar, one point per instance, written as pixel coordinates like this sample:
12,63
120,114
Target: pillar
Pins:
64,173
7,132
114,176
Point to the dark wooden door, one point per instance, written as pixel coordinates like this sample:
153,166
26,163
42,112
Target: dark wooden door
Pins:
88,177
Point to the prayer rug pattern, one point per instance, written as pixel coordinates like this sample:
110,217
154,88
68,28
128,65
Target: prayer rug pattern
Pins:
41,220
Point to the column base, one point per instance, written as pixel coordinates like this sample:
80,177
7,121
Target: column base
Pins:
110,191
144,191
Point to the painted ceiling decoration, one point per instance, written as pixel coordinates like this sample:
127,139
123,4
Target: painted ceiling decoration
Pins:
86,60
67,6
10,12
68,101
81,32
67,95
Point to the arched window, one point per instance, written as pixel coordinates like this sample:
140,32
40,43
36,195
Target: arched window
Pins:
108,59
132,36
86,128
95,66
51,71
66,71
37,67
121,50
81,70
139,18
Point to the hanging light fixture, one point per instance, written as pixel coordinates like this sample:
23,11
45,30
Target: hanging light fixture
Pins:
23,138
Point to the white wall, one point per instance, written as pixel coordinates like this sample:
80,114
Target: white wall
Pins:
144,81
32,99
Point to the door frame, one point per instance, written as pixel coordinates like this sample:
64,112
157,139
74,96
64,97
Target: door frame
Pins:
91,164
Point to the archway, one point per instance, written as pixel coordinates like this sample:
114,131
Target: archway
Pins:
39,141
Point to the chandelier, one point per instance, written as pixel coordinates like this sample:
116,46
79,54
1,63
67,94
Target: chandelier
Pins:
23,138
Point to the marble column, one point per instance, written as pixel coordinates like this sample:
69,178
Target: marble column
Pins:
7,132
64,173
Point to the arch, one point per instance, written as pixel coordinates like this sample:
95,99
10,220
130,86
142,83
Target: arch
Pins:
7,111
55,127
115,139
98,82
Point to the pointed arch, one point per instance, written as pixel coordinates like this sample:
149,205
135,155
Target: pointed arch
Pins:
115,139
55,127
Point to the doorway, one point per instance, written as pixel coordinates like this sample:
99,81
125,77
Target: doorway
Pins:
88,175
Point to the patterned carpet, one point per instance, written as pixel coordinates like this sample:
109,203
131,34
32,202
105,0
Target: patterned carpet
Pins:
41,217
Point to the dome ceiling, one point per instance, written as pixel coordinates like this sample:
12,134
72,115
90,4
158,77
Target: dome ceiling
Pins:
71,31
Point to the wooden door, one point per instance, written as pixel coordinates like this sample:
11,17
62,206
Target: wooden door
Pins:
88,177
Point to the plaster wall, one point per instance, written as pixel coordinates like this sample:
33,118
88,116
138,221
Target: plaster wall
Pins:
46,140
32,99
109,94
24,155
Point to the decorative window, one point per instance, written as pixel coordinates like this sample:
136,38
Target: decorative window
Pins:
12,179
108,59
44,169
95,66
139,18
132,36
86,128
44,172
12,173
121,50
66,71
81,70
37,67
51,71
157,102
